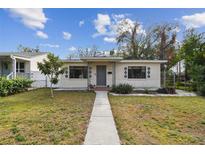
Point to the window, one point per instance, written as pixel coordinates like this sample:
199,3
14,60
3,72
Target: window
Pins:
78,72
20,67
5,66
137,72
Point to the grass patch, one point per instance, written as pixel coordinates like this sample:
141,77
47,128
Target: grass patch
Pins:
19,138
159,120
35,118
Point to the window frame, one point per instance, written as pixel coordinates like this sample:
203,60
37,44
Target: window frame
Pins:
131,78
82,71
18,67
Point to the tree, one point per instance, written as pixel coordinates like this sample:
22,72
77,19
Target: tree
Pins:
88,52
52,67
164,45
193,53
156,42
165,36
21,48
112,52
133,40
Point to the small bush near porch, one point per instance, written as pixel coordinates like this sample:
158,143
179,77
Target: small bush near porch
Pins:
35,118
13,86
122,89
159,120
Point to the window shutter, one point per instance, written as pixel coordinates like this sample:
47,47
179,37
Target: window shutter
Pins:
148,72
125,72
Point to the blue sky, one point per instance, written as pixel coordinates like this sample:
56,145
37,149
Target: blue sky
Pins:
62,31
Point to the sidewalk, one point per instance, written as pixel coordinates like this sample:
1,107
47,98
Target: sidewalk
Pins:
101,129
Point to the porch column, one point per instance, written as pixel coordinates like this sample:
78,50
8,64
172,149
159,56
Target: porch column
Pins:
88,80
114,73
14,66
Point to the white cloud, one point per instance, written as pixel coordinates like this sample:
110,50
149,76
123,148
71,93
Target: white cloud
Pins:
110,39
81,23
66,35
50,45
100,23
109,27
194,21
33,18
118,17
41,34
72,48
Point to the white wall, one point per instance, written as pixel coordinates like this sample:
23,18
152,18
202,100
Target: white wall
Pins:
72,83
152,82
38,78
35,60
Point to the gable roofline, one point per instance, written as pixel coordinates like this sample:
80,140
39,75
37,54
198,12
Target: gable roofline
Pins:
104,59
110,59
144,61
23,54
72,60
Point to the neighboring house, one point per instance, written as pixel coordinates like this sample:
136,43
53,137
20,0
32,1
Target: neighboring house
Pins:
86,71
22,64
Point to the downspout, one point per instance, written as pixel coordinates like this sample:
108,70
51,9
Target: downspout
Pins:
13,66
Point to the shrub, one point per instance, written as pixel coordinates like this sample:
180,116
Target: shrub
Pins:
146,91
122,89
202,89
167,90
12,86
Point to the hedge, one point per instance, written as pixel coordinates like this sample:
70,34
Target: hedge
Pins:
13,86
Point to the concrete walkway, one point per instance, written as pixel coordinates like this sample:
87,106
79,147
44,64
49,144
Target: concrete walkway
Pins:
101,129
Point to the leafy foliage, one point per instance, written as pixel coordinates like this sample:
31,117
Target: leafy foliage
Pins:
134,43
13,86
122,89
22,48
52,67
193,52
157,42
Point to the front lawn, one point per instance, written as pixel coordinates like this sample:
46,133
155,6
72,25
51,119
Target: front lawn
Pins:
35,118
159,120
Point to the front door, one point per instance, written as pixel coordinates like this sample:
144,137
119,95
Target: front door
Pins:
101,75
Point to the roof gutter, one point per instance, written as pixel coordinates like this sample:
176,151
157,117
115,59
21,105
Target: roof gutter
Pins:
22,58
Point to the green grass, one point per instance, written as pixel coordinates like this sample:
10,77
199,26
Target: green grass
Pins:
159,120
35,118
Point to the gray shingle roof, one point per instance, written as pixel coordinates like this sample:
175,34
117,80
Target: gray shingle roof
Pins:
23,54
101,58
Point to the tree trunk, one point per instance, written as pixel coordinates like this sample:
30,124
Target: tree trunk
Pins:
51,88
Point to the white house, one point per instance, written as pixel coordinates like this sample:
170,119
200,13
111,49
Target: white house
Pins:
22,64
108,71
87,71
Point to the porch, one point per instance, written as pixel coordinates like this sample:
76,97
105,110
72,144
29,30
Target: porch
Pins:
12,67
101,72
